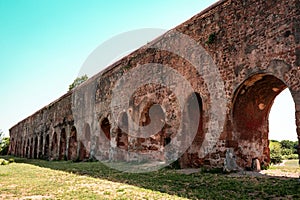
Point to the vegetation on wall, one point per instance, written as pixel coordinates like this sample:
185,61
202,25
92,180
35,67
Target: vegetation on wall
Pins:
78,81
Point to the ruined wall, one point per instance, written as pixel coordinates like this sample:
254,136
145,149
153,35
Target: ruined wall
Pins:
44,134
255,47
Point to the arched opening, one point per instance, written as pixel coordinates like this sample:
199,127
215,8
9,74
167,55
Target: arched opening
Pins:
102,146
46,147
27,148
41,146
193,121
105,127
72,151
62,145
16,144
122,132
35,150
85,143
54,145
150,138
282,118
24,148
31,148
251,107
20,147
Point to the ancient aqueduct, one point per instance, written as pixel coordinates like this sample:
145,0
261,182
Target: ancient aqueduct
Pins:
255,45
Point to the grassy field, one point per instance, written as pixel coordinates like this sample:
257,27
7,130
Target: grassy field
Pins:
38,179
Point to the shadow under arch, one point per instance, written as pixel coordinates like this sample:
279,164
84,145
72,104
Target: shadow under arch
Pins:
122,132
252,103
193,110
102,140
72,150
62,145
46,147
85,143
54,147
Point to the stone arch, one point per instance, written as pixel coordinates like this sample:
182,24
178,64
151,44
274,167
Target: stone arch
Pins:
72,150
102,146
35,150
193,110
31,148
41,140
24,148
122,132
54,146
27,154
62,145
252,103
152,115
85,143
46,147
14,145
105,127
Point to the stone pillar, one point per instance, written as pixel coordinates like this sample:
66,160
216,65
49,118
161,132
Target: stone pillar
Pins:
296,97
298,131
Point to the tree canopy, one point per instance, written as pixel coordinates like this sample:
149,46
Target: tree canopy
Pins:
78,81
4,143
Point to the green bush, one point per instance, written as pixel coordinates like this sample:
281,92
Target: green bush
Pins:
275,152
4,145
3,162
287,151
290,157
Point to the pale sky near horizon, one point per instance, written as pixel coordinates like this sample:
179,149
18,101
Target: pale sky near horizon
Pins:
43,45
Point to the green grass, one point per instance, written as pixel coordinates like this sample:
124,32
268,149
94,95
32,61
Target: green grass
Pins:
290,166
93,180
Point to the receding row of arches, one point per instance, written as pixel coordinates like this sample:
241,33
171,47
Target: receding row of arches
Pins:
245,131
44,146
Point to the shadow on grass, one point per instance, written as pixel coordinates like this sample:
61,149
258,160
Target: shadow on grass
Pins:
200,185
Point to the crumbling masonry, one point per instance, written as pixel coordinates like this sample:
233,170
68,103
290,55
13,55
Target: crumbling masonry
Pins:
255,45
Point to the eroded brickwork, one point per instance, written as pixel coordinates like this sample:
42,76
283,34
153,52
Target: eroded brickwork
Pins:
255,46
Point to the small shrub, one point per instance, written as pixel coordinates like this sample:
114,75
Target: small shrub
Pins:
211,38
4,162
4,144
275,152
290,157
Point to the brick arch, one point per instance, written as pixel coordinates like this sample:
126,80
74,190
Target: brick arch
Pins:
105,127
54,146
46,147
153,115
85,143
28,148
72,150
31,149
35,150
193,109
62,144
41,142
122,131
252,103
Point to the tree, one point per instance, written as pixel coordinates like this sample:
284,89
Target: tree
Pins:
287,144
78,81
4,144
275,152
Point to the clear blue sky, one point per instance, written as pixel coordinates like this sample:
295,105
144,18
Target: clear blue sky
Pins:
43,43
